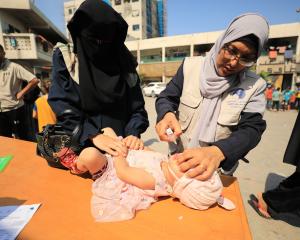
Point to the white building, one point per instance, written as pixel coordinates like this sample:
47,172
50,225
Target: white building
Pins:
145,18
159,58
28,36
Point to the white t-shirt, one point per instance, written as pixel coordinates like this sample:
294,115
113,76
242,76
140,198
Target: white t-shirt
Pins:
11,77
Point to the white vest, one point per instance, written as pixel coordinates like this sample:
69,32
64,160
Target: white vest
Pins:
233,102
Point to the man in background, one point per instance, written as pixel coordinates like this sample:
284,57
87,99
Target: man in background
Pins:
12,111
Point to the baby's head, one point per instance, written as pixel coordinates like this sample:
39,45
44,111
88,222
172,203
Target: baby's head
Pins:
192,192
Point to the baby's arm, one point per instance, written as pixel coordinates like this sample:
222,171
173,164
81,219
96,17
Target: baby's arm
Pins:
132,175
91,159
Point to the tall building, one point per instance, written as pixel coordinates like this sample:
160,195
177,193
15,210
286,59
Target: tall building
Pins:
145,18
162,17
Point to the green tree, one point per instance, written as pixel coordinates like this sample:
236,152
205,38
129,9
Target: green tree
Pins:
265,75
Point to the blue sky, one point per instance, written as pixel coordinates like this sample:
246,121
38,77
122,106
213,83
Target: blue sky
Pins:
193,16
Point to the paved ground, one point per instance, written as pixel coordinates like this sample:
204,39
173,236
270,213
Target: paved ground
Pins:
264,171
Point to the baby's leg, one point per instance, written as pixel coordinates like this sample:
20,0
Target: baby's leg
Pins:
92,160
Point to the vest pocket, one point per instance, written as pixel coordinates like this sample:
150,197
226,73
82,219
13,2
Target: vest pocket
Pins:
222,132
185,114
229,119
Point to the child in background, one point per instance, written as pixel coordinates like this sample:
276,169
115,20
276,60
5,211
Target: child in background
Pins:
276,96
41,110
286,99
268,95
132,183
293,100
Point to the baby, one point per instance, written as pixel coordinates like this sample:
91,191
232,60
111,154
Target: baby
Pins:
90,159
132,183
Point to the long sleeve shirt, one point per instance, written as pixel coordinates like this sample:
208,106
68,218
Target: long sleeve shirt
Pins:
64,99
245,135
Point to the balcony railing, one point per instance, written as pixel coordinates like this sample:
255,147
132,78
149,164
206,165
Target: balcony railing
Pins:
265,60
151,59
174,59
27,46
280,65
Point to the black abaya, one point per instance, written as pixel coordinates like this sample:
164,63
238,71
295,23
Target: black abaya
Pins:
285,198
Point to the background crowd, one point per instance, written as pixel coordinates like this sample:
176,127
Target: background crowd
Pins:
282,100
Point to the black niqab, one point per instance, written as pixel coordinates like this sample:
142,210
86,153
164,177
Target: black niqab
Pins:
98,34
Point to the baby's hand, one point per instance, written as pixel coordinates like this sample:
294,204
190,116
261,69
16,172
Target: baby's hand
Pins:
133,143
173,164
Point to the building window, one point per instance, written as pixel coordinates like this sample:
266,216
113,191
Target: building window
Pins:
135,27
135,13
70,11
126,1
135,0
117,2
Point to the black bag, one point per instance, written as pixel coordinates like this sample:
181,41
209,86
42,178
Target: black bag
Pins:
52,139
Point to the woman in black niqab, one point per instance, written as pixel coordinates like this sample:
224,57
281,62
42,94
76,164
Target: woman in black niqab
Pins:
105,63
107,92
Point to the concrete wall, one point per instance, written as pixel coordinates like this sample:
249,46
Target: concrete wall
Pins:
16,4
157,70
276,31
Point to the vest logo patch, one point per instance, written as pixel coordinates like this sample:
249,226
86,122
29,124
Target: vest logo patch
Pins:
240,92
